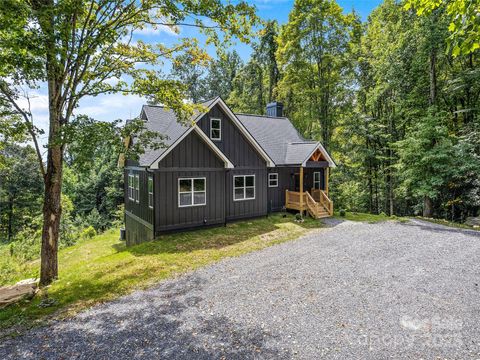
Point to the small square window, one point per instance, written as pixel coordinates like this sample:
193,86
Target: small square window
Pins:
273,180
244,187
192,192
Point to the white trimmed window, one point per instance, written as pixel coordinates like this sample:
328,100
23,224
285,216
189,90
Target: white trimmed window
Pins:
243,187
316,180
215,129
192,192
150,191
131,192
273,180
137,188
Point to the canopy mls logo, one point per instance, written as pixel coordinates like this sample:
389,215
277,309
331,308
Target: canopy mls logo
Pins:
437,332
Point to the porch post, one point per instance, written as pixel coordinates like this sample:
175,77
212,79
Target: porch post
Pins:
301,190
327,175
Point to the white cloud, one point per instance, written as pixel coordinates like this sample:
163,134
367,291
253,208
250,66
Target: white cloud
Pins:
111,107
108,107
157,30
38,102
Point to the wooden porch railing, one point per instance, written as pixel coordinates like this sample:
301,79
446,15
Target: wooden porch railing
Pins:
317,203
292,200
321,197
313,207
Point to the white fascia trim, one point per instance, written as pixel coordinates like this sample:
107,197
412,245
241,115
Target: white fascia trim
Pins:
244,131
216,150
319,146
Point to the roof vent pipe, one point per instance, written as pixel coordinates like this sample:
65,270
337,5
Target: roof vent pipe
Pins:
275,109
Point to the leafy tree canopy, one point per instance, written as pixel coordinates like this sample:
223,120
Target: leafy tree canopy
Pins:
464,21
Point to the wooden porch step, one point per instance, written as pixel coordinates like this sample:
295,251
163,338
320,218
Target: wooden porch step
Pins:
320,214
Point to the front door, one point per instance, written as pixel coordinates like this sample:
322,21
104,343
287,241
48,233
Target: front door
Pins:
296,182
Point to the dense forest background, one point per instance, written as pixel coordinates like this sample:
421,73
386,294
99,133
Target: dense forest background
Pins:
390,98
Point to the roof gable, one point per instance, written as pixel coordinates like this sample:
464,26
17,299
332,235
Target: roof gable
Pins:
281,140
274,138
164,121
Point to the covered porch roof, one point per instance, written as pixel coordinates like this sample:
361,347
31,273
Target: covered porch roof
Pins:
308,154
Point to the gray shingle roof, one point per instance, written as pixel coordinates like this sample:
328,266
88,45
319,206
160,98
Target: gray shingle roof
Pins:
276,135
279,138
297,153
164,121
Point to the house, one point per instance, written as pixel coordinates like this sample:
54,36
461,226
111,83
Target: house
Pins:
224,167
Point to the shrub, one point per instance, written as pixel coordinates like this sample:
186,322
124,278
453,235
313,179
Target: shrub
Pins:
95,219
342,212
298,216
89,233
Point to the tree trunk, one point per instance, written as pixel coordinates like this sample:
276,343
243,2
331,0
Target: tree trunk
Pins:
10,219
427,207
52,206
52,211
433,77
390,194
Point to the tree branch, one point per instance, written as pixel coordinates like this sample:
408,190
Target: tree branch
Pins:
29,126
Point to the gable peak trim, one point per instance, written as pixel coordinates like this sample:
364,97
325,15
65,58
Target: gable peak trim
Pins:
204,137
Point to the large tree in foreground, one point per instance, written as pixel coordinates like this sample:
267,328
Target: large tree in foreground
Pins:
81,48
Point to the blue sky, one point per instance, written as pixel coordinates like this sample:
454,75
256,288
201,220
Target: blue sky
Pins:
117,106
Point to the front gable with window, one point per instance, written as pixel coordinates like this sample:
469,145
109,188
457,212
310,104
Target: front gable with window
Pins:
189,188
229,138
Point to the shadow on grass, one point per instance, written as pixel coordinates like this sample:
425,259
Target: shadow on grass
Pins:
216,237
163,322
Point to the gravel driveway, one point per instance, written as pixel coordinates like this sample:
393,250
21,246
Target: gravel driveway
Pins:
354,290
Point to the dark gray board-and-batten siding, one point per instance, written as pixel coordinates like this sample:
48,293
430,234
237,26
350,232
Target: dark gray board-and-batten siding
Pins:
192,157
138,216
189,159
286,181
232,143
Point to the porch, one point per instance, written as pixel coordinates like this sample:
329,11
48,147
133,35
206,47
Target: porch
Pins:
314,201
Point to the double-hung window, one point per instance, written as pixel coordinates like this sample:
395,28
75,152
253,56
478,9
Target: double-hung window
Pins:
243,187
215,129
273,180
150,191
131,194
137,188
192,192
316,180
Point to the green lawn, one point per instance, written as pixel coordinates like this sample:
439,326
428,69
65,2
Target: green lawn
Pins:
102,268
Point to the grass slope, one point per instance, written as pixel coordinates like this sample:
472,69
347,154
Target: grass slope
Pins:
103,268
